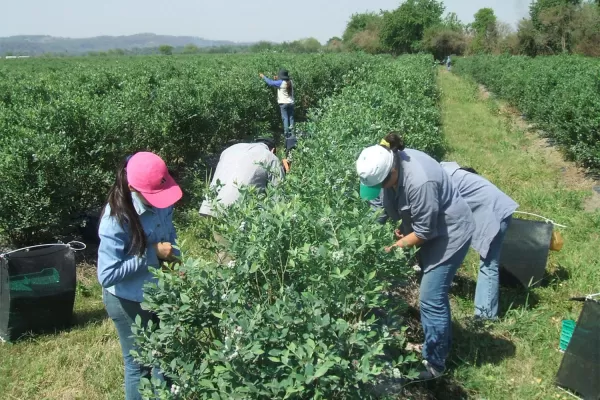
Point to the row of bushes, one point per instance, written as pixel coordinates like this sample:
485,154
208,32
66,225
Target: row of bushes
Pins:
560,94
65,124
303,311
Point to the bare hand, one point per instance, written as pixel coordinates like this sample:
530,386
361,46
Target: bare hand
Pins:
390,248
164,251
398,234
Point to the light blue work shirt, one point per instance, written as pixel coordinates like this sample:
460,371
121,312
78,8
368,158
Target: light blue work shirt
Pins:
124,274
429,206
488,203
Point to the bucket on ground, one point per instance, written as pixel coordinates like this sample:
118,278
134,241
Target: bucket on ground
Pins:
37,289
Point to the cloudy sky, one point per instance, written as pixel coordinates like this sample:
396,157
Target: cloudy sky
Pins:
236,20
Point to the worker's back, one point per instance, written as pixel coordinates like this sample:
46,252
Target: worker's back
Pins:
243,164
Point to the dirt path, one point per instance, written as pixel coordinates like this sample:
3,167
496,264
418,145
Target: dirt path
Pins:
573,177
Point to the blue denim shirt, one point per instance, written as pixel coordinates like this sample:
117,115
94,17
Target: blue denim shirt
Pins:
121,273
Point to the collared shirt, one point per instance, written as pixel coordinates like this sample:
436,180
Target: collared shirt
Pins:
428,205
124,274
243,164
488,203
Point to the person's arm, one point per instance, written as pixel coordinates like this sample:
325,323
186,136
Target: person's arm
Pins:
114,262
273,83
406,242
424,209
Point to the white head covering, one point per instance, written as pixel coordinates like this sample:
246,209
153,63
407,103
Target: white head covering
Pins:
374,164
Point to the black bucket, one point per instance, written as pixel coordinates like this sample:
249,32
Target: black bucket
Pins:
525,252
37,289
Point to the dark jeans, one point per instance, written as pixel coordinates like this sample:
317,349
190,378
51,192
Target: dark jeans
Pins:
287,115
123,313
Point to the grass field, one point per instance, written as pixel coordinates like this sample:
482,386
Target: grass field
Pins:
518,357
515,358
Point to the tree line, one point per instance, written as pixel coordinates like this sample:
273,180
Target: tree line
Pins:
417,26
552,27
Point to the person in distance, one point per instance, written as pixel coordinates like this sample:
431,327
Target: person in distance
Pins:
492,211
418,192
243,164
285,98
136,232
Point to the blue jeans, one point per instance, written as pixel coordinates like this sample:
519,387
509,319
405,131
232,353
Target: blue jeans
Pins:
123,313
488,279
435,309
287,115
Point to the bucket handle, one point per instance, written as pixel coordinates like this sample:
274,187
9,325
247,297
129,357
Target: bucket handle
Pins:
77,246
74,245
539,216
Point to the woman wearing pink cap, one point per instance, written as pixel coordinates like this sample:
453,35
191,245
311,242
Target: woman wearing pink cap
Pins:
136,232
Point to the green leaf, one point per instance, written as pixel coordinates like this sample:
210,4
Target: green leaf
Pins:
322,370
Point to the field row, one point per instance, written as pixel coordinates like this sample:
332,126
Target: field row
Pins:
65,125
293,315
558,94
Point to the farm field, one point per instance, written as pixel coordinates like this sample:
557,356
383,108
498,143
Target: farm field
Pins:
518,357
558,94
72,120
78,117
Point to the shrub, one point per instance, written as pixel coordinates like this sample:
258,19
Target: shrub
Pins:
66,123
304,311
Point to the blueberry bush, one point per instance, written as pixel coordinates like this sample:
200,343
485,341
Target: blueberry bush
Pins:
305,308
65,124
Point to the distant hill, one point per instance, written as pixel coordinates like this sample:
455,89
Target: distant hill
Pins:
37,44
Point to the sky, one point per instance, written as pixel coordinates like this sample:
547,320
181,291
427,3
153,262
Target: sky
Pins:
235,20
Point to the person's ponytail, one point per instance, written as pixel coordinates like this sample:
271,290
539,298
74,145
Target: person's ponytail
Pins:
288,87
122,208
393,141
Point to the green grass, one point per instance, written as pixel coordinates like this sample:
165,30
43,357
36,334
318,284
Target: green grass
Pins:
516,358
80,363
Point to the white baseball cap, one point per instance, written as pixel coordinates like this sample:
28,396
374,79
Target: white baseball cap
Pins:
373,166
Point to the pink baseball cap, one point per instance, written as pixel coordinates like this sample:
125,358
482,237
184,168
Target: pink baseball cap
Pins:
148,174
